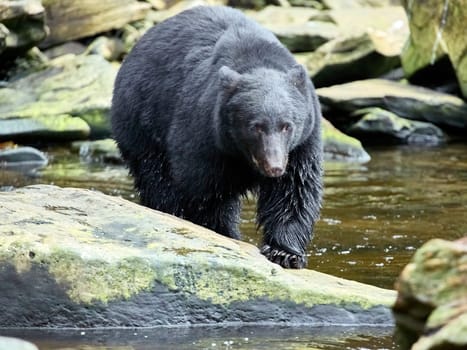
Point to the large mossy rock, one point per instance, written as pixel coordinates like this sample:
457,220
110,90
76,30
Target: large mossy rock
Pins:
341,147
405,100
377,125
432,298
437,29
76,19
70,99
77,258
21,27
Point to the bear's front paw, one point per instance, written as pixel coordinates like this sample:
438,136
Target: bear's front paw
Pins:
284,258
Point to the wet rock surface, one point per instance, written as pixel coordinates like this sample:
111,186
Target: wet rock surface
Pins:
377,123
431,302
84,259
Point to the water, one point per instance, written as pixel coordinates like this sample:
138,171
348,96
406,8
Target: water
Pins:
374,217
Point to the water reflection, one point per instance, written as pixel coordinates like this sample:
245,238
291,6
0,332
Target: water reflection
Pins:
226,338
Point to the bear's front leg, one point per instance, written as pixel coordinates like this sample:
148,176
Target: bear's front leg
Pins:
288,207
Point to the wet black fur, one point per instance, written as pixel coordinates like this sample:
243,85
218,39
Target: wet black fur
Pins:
173,125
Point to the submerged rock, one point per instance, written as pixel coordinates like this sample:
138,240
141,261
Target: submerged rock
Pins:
24,159
77,258
379,125
405,100
437,29
432,296
105,150
68,100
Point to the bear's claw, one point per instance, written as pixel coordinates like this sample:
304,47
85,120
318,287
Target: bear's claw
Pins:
284,258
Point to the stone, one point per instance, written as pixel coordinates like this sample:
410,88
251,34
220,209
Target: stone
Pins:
295,27
112,49
432,300
341,147
24,159
103,150
84,259
369,45
437,29
380,126
349,4
69,20
405,100
21,27
7,343
70,100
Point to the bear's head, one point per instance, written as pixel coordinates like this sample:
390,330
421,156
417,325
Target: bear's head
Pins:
264,115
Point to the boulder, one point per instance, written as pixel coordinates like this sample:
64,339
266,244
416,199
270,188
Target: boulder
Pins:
24,159
437,29
21,27
368,46
78,258
70,99
341,147
69,20
7,343
380,126
405,100
349,4
432,296
295,27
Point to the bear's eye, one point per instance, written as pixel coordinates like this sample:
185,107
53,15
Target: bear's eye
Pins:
286,127
259,128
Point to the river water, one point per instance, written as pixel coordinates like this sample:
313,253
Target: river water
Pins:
374,217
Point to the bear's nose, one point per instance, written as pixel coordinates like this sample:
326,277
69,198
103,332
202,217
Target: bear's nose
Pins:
276,171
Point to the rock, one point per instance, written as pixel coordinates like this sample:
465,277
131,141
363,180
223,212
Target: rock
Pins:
405,100
437,29
341,147
24,159
68,100
70,47
179,6
21,27
111,49
69,20
295,27
349,4
369,46
83,259
432,296
381,126
103,150
7,343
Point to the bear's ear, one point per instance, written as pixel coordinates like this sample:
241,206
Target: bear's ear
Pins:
229,78
298,76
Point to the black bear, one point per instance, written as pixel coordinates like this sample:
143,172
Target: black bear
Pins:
209,105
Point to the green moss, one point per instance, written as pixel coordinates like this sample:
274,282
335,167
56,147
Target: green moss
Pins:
88,281
331,134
